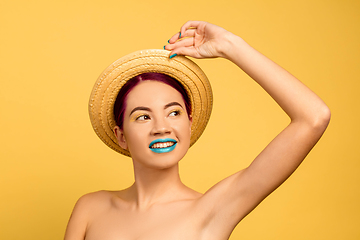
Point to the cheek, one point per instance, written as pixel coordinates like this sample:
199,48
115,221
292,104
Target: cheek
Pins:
133,142
132,135
184,128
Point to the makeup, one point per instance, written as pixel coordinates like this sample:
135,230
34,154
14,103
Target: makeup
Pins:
141,117
163,145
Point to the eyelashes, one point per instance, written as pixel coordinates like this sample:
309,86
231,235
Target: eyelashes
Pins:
175,113
143,117
140,117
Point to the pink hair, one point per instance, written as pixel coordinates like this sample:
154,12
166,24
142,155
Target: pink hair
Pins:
120,102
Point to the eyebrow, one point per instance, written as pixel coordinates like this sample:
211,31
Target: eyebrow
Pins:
172,104
140,108
149,110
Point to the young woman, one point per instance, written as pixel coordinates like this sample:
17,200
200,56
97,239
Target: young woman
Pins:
157,131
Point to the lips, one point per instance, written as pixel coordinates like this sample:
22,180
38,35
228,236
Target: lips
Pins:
163,145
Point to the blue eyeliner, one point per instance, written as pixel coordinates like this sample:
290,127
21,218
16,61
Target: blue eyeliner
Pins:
163,150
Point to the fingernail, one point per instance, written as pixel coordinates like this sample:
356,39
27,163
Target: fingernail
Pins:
173,55
180,35
164,47
169,41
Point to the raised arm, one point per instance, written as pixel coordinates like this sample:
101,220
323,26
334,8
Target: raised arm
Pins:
234,197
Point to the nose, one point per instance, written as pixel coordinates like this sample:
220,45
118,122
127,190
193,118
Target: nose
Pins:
160,127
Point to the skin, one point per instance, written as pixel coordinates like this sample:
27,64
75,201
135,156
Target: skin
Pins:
158,205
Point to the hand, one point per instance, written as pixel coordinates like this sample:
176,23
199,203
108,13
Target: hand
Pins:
199,40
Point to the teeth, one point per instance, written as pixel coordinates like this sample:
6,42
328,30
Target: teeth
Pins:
162,145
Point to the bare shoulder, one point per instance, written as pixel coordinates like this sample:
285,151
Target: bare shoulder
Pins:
95,198
86,208
93,201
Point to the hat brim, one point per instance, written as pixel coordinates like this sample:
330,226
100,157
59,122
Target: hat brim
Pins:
109,83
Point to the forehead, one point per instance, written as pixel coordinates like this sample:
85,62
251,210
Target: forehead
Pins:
152,93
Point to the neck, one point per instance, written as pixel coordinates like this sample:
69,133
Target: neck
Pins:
155,185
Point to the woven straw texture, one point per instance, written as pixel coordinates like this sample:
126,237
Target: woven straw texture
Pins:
109,83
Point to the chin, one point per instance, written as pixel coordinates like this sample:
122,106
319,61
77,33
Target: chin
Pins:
161,160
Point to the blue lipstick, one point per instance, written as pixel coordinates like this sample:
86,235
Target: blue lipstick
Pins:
165,149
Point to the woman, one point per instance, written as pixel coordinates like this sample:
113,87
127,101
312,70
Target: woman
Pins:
158,206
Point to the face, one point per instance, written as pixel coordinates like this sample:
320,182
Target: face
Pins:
156,128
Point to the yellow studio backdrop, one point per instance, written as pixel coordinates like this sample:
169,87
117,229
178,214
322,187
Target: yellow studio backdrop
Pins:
53,51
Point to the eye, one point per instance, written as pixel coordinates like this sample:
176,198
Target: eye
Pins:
174,113
142,117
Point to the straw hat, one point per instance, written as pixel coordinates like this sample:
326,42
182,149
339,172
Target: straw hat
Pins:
109,83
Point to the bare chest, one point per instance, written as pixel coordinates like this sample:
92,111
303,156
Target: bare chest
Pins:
172,222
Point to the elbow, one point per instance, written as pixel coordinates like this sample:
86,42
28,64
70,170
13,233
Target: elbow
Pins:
315,120
322,118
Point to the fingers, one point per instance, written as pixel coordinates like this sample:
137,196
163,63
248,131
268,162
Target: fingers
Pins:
190,24
187,30
188,33
183,42
186,42
178,36
185,51
183,47
174,38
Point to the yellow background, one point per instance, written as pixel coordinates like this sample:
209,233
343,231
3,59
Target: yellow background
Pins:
53,51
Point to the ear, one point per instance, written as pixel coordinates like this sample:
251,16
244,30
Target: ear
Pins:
119,133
